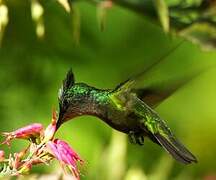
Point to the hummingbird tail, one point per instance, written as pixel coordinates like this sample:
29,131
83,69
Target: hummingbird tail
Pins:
176,149
152,124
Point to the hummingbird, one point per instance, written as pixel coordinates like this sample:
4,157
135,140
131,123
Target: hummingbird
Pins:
124,108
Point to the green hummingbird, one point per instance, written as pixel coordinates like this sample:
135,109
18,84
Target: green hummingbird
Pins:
124,108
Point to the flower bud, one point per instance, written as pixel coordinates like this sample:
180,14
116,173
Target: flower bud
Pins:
27,132
26,167
51,129
18,157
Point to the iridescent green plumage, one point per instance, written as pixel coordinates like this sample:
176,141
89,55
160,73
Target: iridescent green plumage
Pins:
124,110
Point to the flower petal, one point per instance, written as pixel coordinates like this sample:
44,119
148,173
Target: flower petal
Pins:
53,150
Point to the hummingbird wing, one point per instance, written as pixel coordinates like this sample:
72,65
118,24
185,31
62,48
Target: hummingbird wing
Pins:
151,122
156,94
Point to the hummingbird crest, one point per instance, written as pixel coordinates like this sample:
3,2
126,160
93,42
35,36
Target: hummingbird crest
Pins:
67,83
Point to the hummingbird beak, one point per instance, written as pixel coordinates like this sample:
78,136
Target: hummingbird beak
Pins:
60,115
60,120
58,124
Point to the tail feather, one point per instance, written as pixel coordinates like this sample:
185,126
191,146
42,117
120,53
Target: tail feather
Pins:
176,149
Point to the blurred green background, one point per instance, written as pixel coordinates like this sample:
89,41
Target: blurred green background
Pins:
32,70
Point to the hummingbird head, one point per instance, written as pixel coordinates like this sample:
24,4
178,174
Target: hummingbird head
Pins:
73,99
63,102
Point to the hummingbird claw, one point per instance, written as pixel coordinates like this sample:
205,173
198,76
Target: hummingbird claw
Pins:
140,140
136,138
132,138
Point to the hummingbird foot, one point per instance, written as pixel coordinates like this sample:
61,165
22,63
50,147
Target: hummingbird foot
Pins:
136,138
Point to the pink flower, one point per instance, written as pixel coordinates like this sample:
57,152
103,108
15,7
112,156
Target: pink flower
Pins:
51,129
27,132
42,149
65,155
2,155
64,146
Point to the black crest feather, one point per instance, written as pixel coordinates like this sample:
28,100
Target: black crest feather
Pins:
69,80
67,83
